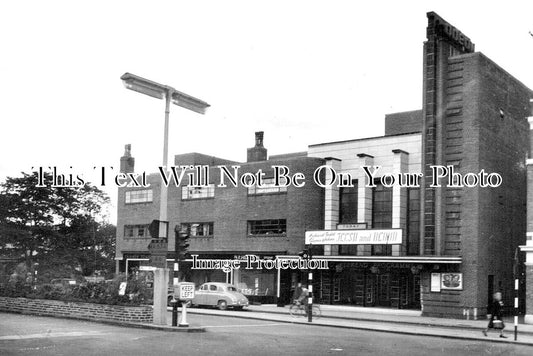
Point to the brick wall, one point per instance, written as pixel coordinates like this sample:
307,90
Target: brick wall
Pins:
445,304
529,290
232,208
484,127
403,122
229,210
500,140
77,310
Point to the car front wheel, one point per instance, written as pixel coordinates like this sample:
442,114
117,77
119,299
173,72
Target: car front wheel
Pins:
222,305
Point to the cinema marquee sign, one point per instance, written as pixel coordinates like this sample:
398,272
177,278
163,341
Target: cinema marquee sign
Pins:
354,237
443,28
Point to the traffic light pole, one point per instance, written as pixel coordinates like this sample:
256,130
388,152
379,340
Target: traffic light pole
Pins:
310,301
515,308
175,281
181,247
310,288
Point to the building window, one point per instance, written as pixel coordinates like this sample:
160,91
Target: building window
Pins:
198,229
139,196
268,187
267,227
136,231
381,215
348,204
413,221
257,282
198,192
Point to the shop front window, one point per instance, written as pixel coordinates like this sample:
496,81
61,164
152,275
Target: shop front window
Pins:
257,283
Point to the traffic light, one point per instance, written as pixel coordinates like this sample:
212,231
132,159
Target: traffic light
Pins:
158,229
182,244
304,254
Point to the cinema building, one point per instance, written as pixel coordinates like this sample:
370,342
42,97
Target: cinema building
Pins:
458,240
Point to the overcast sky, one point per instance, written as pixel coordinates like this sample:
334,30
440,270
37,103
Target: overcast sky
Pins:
305,72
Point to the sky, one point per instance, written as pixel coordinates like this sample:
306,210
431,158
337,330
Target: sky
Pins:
304,72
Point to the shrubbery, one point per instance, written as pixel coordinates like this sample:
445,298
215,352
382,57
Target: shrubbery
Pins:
137,291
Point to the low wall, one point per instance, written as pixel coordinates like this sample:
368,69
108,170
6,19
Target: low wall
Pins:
77,310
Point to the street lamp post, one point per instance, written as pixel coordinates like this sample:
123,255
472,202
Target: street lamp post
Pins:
160,91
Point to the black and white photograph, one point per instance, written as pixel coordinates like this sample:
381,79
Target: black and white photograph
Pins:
266,178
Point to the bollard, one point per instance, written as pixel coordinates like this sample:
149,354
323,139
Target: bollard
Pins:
174,304
183,322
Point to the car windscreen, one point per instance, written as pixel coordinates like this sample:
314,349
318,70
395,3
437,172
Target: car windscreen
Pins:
232,289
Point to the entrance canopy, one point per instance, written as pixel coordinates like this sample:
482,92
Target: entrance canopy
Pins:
392,259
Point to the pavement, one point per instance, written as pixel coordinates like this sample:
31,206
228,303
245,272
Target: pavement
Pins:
383,320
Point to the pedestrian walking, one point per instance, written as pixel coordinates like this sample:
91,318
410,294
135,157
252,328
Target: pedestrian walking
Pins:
496,321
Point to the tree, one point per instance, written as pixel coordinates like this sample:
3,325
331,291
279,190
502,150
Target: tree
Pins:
88,244
54,225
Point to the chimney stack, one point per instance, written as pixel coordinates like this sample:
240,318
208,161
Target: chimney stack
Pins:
258,152
127,162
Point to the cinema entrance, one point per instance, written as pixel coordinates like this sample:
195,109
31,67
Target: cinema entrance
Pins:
386,285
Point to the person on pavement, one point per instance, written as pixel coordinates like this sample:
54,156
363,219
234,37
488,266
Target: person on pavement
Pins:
496,321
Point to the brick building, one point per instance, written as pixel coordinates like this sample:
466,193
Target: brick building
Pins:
226,222
458,243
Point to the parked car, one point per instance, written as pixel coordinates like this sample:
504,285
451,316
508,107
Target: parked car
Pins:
220,295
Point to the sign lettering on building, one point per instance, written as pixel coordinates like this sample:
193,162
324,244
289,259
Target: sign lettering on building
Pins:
444,29
357,226
354,237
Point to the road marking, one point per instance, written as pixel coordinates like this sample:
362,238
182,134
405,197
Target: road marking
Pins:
52,334
242,326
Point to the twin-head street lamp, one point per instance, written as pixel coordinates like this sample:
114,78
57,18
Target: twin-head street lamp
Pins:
159,91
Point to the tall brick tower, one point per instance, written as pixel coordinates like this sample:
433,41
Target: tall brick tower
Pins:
528,247
440,83
473,119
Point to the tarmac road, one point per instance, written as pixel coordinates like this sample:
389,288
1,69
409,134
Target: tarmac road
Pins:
32,335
